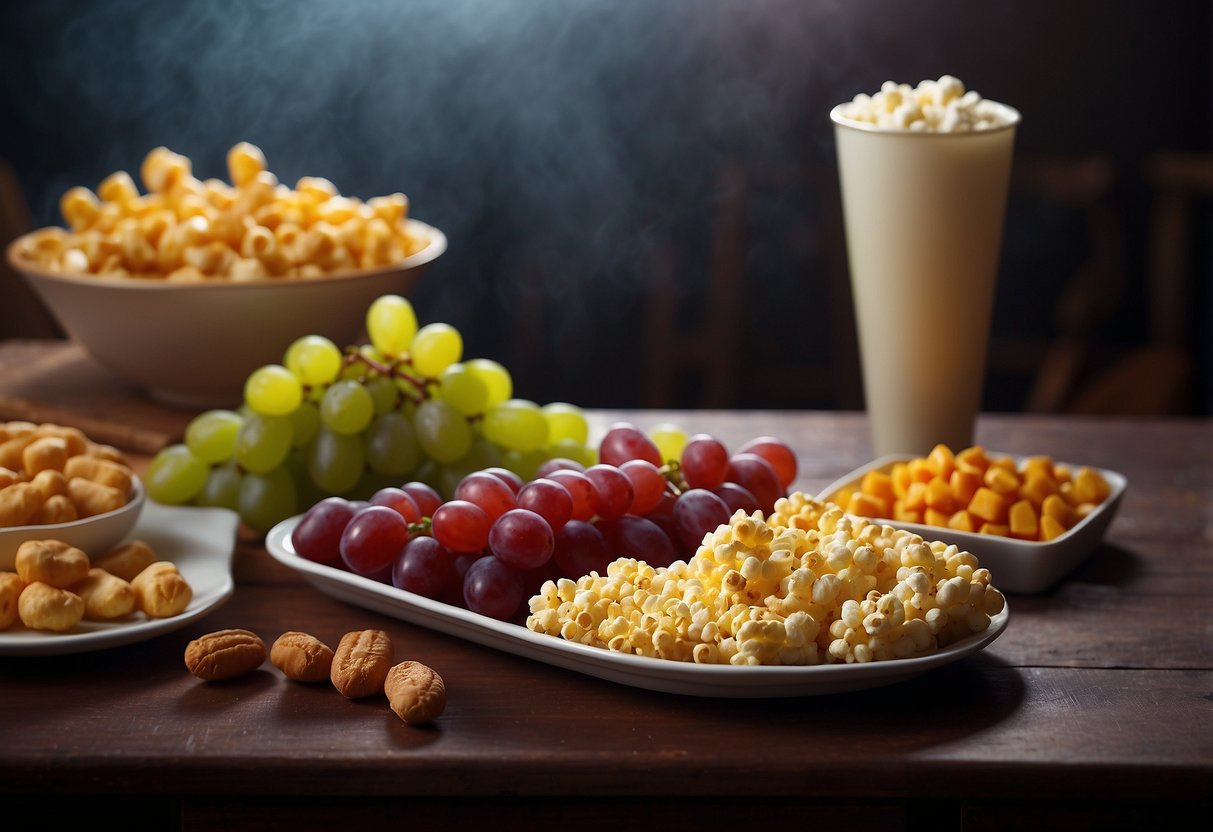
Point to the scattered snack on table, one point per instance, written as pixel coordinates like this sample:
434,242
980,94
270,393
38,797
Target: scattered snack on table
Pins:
362,666
302,657
184,229
224,654
55,474
415,692
807,585
361,663
1036,500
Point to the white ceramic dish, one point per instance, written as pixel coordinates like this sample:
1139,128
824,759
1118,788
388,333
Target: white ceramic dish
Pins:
192,345
637,671
200,541
94,535
1017,566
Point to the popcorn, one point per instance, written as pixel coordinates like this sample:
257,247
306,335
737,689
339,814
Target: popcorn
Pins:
942,106
807,585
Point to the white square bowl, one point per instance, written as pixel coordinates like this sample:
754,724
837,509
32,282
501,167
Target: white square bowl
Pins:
1016,566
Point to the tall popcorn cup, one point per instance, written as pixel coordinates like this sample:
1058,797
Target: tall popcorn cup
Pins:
923,212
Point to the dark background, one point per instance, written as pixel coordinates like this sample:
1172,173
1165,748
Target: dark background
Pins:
584,156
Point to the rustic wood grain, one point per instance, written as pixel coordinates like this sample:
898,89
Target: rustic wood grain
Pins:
1093,710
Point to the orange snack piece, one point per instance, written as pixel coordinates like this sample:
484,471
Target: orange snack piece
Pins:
989,506
1036,500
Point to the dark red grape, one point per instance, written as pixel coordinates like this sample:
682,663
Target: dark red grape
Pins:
425,567
460,563
778,453
522,539
696,513
625,441
648,484
704,461
489,492
581,549
398,499
425,496
461,526
580,488
318,535
373,540
493,588
613,490
737,498
558,463
549,499
507,476
755,474
637,537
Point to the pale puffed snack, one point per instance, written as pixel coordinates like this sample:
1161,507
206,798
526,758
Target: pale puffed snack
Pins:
10,591
45,607
128,560
106,597
807,585
52,473
52,562
186,229
161,591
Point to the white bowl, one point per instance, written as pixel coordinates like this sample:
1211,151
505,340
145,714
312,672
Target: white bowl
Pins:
1018,566
192,345
93,535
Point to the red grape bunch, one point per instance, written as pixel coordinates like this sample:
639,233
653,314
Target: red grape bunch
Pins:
493,544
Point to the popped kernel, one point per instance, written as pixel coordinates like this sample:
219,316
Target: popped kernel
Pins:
808,584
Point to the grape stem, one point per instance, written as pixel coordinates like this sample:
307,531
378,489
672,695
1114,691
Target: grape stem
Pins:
672,471
397,371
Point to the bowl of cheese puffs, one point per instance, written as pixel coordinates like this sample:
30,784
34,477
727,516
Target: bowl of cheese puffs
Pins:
58,484
183,286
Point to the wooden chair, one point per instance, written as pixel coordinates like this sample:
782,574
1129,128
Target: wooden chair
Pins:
1157,377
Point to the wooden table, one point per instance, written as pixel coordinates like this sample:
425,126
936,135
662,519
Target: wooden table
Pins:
1094,708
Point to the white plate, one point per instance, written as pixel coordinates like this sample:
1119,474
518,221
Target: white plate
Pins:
200,541
1019,566
637,671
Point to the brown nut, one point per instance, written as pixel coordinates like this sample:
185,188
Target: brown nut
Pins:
45,607
302,657
161,591
51,562
224,654
416,693
361,663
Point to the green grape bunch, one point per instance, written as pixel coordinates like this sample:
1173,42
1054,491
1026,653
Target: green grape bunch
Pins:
346,422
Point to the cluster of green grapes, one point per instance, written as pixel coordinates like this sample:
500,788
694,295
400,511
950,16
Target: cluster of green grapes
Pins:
347,422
